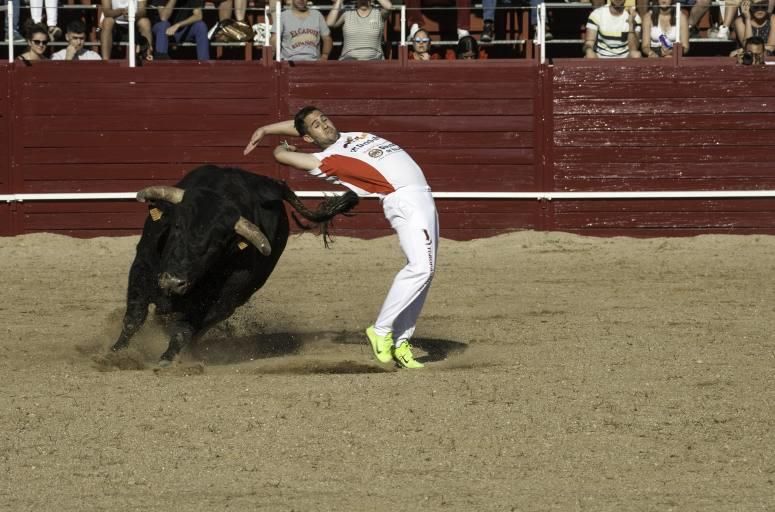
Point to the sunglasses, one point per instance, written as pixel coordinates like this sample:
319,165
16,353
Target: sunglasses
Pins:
39,42
758,7
422,39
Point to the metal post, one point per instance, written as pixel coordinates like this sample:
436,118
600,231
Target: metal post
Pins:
403,25
542,31
678,24
9,32
267,32
131,48
279,32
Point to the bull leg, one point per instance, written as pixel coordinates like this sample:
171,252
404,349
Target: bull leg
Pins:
182,333
136,306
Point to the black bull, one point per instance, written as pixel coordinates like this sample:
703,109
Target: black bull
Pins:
208,244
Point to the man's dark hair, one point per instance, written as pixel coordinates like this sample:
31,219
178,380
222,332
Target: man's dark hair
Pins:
76,27
301,115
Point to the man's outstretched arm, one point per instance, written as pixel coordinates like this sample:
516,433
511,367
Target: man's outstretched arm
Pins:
287,155
281,128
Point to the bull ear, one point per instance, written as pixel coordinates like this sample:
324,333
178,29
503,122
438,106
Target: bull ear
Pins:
172,195
253,234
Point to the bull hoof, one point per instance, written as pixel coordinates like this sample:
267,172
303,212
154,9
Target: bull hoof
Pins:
118,346
165,363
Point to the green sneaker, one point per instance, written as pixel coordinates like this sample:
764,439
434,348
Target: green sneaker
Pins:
381,345
403,356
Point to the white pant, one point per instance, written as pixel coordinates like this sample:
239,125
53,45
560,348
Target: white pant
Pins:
36,11
412,213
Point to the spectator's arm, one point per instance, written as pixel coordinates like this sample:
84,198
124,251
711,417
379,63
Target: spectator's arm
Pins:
589,43
645,44
770,42
328,43
335,18
633,41
196,15
684,32
386,7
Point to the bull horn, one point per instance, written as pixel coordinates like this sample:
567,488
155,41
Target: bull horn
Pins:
173,195
253,234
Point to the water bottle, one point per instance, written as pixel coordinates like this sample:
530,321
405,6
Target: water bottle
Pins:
665,42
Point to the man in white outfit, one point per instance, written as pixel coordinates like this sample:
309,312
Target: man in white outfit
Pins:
370,165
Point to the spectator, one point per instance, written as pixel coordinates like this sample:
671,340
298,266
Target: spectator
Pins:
362,28
467,49
421,46
303,31
17,36
612,32
753,52
37,41
414,16
756,22
75,37
182,20
115,24
698,10
660,30
36,12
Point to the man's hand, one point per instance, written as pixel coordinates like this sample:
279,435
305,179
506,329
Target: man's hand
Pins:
172,29
254,140
71,51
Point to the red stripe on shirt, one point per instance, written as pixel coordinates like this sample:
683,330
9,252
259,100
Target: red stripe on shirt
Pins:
356,172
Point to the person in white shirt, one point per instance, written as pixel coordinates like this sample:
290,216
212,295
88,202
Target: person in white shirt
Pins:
368,164
115,24
612,32
75,37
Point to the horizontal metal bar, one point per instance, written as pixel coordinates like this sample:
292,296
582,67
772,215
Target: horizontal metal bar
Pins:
664,194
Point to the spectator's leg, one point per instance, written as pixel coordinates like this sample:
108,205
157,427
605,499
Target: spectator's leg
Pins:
144,28
488,15
413,12
224,10
160,40
240,9
52,15
534,12
740,31
643,7
464,14
197,33
36,11
698,11
106,37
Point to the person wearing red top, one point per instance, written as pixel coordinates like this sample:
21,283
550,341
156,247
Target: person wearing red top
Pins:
370,165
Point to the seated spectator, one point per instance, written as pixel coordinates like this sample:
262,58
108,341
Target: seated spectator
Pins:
414,16
753,52
756,21
698,10
303,32
36,13
75,35
420,42
115,24
362,28
37,41
612,32
660,30
181,20
467,49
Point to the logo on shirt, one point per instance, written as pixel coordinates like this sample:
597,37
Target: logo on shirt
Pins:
350,140
375,153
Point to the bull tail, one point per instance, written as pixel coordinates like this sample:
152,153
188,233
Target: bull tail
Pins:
325,212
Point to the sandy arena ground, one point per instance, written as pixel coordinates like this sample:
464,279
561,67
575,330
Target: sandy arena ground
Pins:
565,373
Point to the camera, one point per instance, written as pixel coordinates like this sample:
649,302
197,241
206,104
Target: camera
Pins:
747,58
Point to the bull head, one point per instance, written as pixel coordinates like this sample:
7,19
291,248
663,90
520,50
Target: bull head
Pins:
243,227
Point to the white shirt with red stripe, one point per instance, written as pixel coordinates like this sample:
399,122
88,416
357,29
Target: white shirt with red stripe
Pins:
368,164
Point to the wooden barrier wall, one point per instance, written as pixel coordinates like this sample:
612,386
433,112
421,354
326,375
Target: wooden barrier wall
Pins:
473,126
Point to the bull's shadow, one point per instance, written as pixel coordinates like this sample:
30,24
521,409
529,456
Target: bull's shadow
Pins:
238,349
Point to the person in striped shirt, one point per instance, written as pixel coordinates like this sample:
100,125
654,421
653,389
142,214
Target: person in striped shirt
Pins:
612,32
370,165
363,28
